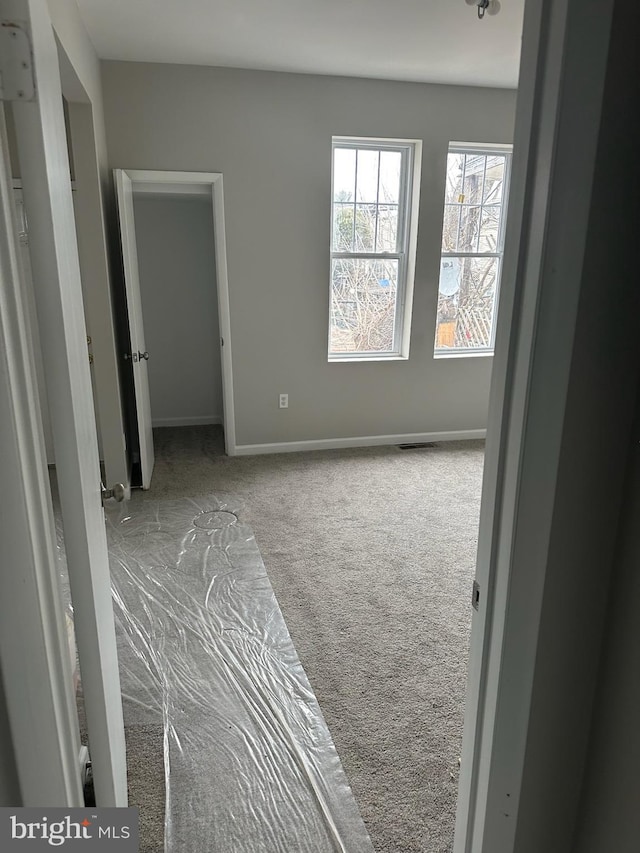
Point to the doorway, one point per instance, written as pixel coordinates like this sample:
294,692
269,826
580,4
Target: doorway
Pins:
176,262
177,301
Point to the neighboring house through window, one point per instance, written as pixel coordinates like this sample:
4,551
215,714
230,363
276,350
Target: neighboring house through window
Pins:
373,236
475,208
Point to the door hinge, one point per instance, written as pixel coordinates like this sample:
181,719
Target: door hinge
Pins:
86,777
17,82
475,595
23,225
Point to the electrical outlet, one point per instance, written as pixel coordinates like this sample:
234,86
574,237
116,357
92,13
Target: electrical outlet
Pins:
283,401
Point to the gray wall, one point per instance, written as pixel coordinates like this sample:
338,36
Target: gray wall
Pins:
270,135
180,311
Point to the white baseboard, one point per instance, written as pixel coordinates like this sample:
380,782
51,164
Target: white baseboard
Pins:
198,420
357,441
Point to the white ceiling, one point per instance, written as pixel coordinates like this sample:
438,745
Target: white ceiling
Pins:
439,41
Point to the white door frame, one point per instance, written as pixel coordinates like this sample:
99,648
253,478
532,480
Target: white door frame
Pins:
34,656
204,183
41,138
538,322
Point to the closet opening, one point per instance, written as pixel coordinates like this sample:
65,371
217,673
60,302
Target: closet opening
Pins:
177,357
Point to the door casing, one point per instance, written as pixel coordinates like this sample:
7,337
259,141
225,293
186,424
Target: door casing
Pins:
211,184
41,138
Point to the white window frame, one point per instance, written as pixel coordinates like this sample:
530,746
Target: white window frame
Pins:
411,151
486,149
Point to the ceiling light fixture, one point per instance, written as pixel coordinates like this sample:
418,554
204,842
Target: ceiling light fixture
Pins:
491,7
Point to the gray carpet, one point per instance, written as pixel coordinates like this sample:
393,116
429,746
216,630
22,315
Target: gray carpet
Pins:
371,555
145,776
146,788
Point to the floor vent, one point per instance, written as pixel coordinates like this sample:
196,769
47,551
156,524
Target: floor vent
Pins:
419,445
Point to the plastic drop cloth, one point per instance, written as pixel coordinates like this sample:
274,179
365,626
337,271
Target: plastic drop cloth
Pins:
250,765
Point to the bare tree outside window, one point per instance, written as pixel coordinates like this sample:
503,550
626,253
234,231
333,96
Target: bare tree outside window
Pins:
472,248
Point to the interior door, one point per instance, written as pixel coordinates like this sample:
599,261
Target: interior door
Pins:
138,353
32,77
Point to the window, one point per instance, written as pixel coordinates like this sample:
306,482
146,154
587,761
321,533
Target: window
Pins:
475,207
372,247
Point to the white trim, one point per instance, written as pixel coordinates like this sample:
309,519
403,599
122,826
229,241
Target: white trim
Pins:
196,420
170,189
363,357
479,716
182,180
358,441
481,147
460,353
224,315
188,183
34,659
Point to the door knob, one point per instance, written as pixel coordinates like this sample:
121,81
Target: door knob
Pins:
117,492
144,355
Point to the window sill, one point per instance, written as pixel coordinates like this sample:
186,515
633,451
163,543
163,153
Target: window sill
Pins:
463,354
366,359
